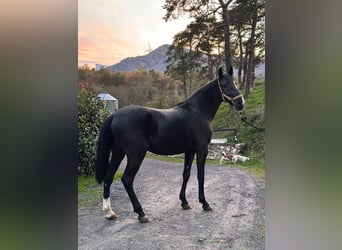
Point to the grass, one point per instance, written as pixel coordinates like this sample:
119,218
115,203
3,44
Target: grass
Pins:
257,96
255,166
227,117
89,191
175,159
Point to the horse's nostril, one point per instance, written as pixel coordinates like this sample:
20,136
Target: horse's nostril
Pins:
240,108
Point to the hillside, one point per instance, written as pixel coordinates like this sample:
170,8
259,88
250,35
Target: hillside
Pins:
155,60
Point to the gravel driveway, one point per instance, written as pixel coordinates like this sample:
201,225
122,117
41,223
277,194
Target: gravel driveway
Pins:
237,221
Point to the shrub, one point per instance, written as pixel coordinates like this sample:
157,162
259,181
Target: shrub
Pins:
91,114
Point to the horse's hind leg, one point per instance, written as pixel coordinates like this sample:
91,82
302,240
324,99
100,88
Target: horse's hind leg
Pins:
113,167
188,159
133,165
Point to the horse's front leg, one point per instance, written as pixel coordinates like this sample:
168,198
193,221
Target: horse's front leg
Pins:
201,158
189,157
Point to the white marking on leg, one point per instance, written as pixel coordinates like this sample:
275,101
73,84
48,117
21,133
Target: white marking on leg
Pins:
107,208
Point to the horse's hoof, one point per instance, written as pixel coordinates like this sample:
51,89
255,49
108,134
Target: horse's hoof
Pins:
112,217
207,208
186,207
143,219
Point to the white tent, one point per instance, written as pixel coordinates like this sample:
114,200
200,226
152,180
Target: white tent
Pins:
110,102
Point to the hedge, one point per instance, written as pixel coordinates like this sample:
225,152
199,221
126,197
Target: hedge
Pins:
91,114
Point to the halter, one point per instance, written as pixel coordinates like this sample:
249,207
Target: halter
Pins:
225,97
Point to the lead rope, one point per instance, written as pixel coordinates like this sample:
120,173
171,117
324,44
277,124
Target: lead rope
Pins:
244,119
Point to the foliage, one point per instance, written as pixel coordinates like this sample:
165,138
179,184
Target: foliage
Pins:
84,72
255,113
91,114
190,53
226,32
141,87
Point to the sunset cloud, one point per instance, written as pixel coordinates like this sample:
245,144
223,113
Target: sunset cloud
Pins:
112,31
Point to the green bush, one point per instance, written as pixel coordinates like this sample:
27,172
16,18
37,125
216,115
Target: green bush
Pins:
91,114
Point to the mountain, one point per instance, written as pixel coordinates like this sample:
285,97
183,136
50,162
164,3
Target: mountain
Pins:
154,60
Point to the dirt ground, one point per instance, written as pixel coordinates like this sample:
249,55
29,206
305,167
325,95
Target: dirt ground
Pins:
237,222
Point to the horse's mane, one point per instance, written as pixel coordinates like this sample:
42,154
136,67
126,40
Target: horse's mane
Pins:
204,86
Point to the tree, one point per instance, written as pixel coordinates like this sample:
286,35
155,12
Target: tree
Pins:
183,58
243,30
201,11
248,28
227,47
250,51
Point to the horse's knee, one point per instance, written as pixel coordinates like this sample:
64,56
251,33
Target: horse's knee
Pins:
200,179
186,176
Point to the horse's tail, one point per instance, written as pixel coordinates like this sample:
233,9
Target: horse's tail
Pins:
103,150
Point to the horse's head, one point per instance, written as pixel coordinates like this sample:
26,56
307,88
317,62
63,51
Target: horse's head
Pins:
228,89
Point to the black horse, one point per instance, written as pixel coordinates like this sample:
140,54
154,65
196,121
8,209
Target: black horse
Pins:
185,128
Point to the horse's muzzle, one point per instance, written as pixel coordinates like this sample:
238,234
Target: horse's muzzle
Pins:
239,103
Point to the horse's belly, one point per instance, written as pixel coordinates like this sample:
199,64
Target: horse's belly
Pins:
171,147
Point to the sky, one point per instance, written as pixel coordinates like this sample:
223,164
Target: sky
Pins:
111,30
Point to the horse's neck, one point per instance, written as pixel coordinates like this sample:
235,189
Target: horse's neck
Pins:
206,100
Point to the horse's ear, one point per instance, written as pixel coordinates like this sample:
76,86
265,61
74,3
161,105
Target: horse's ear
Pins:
220,72
230,72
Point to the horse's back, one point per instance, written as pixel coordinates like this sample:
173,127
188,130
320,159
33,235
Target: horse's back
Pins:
130,117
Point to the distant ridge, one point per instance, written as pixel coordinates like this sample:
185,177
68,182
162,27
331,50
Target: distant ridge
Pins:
155,60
